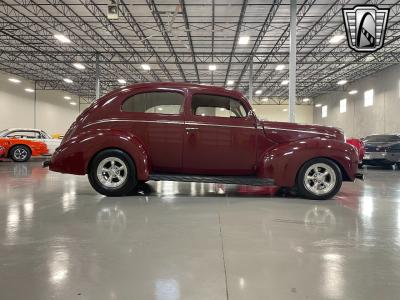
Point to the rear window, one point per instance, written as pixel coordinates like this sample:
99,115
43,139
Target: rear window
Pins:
169,103
381,138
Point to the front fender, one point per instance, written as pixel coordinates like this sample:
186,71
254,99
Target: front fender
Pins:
284,161
74,156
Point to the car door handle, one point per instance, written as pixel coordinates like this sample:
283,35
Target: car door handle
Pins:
191,128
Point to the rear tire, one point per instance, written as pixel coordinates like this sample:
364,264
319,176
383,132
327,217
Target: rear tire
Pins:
20,153
319,179
112,173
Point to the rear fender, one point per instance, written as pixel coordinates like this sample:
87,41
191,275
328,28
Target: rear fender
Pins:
283,162
75,155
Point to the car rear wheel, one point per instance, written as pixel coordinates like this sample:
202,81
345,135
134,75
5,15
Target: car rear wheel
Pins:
319,179
20,153
112,173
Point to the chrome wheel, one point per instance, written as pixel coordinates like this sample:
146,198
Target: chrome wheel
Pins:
112,172
320,179
20,154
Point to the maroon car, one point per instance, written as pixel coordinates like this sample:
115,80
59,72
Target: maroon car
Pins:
199,133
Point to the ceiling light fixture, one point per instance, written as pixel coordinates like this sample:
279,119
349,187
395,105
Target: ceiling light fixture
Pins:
342,82
279,67
285,109
285,82
244,40
258,92
306,99
73,103
146,67
336,39
230,82
212,67
121,81
67,80
353,92
62,38
67,97
318,105
264,99
79,66
15,80
29,90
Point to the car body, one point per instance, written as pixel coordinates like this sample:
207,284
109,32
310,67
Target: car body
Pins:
189,132
382,149
359,144
21,150
34,135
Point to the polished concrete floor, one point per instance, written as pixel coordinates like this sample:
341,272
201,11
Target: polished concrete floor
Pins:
61,240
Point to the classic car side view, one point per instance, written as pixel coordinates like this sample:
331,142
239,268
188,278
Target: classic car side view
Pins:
20,150
382,150
32,134
199,133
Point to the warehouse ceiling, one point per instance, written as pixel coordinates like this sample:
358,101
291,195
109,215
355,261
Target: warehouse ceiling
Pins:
180,39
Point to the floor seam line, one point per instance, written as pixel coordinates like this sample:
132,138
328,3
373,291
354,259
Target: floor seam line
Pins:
223,256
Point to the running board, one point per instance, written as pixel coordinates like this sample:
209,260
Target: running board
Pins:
241,180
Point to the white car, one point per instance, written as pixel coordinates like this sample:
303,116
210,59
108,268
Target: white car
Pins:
32,134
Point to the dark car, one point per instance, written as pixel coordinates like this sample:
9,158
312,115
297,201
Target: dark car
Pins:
382,150
199,133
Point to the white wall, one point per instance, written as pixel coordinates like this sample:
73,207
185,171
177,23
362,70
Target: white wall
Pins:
359,121
53,113
304,113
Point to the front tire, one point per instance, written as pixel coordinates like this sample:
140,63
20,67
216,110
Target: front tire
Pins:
20,153
112,173
319,179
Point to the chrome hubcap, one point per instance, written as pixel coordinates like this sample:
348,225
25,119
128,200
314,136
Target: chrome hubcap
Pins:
112,172
20,154
320,179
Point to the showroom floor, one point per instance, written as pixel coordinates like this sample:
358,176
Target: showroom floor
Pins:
61,240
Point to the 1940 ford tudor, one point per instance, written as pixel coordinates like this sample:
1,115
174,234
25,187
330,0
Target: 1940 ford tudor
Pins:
199,133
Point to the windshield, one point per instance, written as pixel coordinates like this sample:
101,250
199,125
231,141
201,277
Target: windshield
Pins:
2,132
382,138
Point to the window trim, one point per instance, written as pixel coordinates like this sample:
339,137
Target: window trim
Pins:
182,110
246,109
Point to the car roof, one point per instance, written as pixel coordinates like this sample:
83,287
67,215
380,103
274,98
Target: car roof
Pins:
191,86
22,129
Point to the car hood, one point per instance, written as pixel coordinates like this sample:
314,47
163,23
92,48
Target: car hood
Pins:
283,132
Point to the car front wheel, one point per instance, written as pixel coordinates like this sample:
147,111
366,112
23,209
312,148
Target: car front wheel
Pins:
20,153
112,173
319,179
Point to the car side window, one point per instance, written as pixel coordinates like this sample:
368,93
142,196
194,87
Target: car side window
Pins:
23,134
169,103
217,106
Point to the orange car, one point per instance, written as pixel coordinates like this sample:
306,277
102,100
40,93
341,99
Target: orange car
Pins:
20,150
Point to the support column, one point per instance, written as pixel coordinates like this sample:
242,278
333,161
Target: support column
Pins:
34,106
292,62
97,76
251,81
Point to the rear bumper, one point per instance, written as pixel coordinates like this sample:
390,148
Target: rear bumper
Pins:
377,159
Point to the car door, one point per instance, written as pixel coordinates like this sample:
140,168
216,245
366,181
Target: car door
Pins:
156,118
220,137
